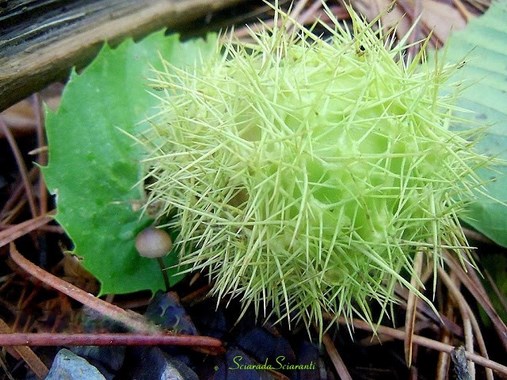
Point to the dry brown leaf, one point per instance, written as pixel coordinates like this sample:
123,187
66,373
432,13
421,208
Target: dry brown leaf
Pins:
441,18
370,9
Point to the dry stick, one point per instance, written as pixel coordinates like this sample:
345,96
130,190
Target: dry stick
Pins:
196,294
104,308
14,211
412,308
336,359
425,312
465,317
12,233
21,166
14,197
52,229
131,320
467,310
42,154
116,339
379,339
443,362
480,339
463,10
23,302
6,370
413,373
480,296
426,342
5,281
36,365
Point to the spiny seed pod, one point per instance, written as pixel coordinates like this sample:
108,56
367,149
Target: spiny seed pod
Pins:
304,174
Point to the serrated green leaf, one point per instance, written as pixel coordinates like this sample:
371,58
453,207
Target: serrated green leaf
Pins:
94,167
482,45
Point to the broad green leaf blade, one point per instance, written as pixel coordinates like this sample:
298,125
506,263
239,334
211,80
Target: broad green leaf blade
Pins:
482,45
94,167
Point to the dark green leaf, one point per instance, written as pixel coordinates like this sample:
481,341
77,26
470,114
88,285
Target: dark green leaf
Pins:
94,168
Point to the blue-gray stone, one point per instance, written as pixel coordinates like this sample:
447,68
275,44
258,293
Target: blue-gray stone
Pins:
69,366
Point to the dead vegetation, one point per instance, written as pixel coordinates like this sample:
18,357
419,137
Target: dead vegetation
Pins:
43,287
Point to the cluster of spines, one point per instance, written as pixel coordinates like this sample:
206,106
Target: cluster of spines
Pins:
317,206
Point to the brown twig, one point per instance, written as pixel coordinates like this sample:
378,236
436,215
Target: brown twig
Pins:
426,342
197,294
21,166
339,365
12,233
480,340
424,312
14,201
465,317
123,339
463,10
468,318
444,360
6,370
42,154
131,320
36,365
478,293
412,308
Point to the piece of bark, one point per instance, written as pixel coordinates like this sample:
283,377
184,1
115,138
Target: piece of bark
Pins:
41,40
